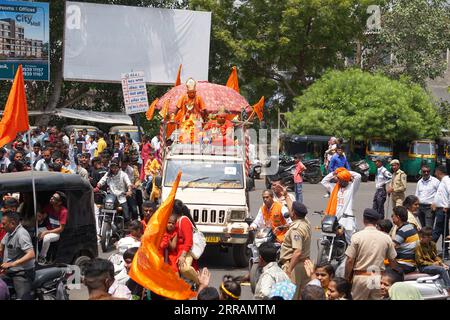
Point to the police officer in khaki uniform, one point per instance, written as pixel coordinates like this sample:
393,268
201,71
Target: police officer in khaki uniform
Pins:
365,258
296,247
397,187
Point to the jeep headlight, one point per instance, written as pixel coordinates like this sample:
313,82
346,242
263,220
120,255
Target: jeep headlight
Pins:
237,215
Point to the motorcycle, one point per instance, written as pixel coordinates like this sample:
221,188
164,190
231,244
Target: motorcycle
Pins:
262,236
332,244
112,223
286,170
313,172
49,284
361,167
430,287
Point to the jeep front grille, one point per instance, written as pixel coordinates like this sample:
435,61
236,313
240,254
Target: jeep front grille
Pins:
209,216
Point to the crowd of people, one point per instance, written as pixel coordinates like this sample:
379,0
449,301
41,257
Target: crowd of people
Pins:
387,249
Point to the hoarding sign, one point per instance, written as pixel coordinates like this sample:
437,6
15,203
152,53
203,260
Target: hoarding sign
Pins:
134,92
101,41
24,39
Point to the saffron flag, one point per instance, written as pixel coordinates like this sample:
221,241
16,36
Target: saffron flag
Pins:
151,110
165,109
233,82
178,81
259,108
15,114
148,267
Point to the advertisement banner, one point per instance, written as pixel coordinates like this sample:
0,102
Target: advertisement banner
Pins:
24,39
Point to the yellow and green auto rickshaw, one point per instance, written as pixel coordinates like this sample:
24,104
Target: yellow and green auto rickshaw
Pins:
379,148
420,152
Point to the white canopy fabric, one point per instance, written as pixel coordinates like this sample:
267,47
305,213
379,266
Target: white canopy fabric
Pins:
87,115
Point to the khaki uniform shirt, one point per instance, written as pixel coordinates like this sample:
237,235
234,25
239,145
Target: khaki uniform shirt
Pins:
398,182
297,237
369,248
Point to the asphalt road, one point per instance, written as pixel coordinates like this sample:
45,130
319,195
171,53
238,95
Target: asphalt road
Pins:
221,263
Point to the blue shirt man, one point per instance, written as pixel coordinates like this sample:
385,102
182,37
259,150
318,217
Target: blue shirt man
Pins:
338,160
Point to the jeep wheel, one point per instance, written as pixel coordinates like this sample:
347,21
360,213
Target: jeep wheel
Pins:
241,255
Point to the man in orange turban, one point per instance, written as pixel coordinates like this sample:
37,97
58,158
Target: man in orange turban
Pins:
342,184
190,104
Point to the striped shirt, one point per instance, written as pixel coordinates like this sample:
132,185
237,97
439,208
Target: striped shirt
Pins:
407,239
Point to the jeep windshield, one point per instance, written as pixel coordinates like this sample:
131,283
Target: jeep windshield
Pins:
205,174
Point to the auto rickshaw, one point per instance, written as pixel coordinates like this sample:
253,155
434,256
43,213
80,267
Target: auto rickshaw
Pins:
78,242
117,131
379,148
91,130
420,152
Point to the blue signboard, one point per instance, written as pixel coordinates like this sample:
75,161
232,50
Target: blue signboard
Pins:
24,39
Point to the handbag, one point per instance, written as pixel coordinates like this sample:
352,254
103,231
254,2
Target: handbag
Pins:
199,243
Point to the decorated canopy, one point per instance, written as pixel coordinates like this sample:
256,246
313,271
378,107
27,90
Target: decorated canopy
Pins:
214,96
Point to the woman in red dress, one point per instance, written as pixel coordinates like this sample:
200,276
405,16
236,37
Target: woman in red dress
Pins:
187,265
145,154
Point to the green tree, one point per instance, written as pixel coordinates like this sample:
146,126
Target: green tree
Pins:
281,47
359,105
416,33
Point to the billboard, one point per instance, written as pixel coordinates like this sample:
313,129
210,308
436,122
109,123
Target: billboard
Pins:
103,41
24,39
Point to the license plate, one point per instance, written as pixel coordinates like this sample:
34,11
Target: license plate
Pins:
212,239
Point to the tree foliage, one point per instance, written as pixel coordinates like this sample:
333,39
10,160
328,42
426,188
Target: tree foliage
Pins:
281,47
359,105
417,33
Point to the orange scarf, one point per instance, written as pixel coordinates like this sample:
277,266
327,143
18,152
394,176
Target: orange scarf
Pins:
342,174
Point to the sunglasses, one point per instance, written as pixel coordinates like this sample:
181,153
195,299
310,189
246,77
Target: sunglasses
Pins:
425,171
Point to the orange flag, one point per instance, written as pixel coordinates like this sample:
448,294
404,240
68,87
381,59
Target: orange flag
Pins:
164,110
151,110
178,81
15,115
233,82
259,108
148,267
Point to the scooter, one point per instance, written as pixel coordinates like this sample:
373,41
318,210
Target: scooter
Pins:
49,284
361,167
332,244
112,224
430,287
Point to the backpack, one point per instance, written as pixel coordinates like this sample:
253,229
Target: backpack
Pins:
199,242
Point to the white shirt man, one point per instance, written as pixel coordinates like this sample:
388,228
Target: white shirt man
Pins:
382,178
118,184
271,274
441,199
426,190
344,209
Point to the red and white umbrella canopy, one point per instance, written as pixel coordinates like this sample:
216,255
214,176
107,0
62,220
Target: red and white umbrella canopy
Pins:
214,96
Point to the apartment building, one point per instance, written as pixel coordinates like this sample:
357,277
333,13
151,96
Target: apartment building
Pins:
13,42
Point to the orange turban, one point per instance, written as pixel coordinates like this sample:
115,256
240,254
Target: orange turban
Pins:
343,174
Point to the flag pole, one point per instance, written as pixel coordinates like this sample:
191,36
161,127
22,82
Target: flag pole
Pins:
33,183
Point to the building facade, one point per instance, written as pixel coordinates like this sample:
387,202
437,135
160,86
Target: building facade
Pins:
14,44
